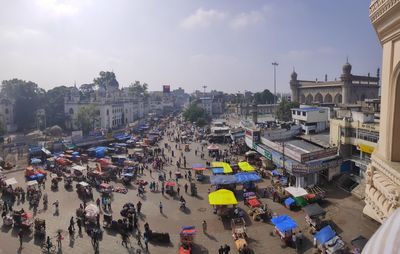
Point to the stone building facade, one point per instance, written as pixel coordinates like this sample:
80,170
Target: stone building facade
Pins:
7,114
347,90
382,193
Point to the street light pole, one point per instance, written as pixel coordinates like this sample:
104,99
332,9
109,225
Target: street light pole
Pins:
275,64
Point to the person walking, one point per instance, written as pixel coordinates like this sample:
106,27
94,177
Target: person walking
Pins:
161,207
186,187
178,190
59,238
125,238
204,224
139,206
227,249
72,223
79,223
20,236
221,250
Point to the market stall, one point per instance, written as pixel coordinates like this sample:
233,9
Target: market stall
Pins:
221,200
245,166
284,226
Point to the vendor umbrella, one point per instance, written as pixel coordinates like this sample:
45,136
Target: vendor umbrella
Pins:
170,183
213,147
222,197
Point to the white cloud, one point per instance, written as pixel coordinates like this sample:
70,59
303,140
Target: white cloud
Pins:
60,7
203,18
305,54
246,19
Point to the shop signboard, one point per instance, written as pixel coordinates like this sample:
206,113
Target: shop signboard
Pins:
366,148
264,152
319,154
300,169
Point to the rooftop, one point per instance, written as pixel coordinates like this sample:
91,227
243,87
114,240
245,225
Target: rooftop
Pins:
301,146
307,109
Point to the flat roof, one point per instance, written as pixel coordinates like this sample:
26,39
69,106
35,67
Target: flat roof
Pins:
301,146
321,139
308,109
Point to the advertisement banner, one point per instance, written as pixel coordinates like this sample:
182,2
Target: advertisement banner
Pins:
318,154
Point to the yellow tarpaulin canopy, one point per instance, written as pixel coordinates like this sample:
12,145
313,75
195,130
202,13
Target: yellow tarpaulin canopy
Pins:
245,166
222,197
218,164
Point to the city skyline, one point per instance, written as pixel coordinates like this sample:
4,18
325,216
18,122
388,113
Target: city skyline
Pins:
226,45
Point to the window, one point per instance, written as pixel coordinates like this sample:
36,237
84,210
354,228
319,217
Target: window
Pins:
304,113
6,111
71,111
108,112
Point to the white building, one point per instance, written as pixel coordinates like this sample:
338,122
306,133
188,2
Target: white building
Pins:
206,103
311,119
7,114
116,108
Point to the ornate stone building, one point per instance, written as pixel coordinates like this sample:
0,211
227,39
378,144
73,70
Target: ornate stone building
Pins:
348,90
382,193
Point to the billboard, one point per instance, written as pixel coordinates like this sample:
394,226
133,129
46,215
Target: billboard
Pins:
166,88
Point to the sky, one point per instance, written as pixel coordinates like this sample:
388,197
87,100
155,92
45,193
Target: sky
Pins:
226,45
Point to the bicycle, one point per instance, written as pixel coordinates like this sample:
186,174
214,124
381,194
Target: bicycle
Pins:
49,248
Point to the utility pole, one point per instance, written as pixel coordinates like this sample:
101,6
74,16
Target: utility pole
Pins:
275,64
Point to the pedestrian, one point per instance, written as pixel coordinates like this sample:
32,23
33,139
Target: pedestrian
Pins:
221,250
98,202
162,189
139,206
170,174
186,187
20,235
59,238
204,224
300,238
138,238
157,186
294,240
227,249
146,241
161,207
178,190
56,204
79,223
72,223
125,238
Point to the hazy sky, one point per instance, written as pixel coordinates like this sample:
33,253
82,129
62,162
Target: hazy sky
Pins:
227,45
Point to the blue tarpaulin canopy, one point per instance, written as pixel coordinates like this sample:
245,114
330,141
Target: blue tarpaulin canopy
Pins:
247,177
121,137
276,173
101,151
284,223
35,177
75,153
127,174
218,171
325,234
222,179
289,201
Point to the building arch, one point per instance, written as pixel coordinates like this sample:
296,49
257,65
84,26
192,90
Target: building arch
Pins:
328,98
302,98
309,99
318,98
394,115
338,98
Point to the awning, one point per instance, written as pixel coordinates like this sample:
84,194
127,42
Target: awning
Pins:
247,177
11,181
222,197
218,171
289,201
314,210
245,166
325,234
222,179
284,223
296,191
199,167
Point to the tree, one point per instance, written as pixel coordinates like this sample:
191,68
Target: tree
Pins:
264,97
283,112
86,90
55,106
28,98
196,114
106,80
87,117
138,89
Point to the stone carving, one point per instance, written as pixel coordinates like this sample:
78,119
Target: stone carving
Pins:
379,8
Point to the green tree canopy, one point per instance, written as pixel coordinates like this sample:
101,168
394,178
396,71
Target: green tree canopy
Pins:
55,106
283,111
264,97
87,118
86,90
138,89
28,98
196,114
106,80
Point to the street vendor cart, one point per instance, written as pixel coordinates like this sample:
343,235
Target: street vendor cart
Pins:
239,234
186,237
84,190
314,215
328,241
169,188
198,171
223,201
40,228
284,226
106,188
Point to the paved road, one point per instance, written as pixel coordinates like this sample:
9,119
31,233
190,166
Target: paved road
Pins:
344,210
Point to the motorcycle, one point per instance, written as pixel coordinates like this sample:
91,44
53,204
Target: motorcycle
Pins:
182,205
